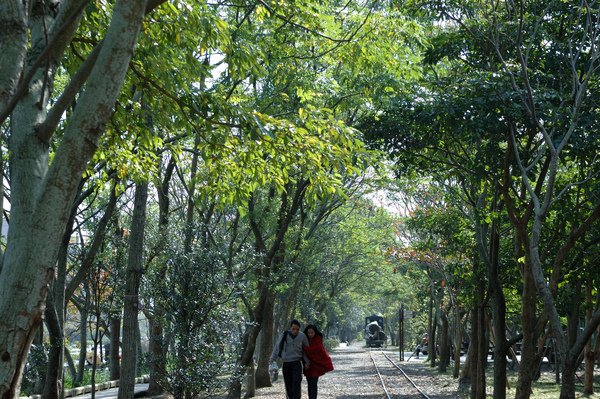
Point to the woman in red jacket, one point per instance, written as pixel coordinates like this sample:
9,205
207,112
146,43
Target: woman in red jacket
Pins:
320,362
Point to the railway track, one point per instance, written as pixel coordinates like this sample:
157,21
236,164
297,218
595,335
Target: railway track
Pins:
387,371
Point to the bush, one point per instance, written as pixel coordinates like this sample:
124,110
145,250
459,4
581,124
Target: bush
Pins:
331,343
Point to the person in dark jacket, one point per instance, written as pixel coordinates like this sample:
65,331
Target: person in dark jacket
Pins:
290,349
320,362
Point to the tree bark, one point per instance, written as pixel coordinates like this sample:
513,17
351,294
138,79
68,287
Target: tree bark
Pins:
132,288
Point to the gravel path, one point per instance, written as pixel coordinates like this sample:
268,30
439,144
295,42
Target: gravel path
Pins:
354,377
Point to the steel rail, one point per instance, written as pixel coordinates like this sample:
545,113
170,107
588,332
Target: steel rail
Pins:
379,374
405,375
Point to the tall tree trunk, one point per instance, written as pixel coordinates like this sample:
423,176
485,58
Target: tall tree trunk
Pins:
131,299
157,346
55,317
498,307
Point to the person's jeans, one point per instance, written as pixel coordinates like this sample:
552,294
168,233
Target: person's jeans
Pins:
292,377
312,387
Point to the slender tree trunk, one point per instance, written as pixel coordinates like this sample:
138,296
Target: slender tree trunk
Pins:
83,312
432,344
482,352
53,382
55,316
71,364
444,343
131,299
589,353
458,341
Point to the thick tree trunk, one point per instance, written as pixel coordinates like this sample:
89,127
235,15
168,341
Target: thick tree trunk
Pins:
567,386
157,358
262,377
529,357
115,346
132,288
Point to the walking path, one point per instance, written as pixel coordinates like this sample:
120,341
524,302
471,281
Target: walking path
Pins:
112,393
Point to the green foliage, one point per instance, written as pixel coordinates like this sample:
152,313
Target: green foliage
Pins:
197,294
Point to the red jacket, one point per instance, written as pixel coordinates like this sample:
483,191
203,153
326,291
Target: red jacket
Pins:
320,362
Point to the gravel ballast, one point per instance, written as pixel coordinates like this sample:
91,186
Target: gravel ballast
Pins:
355,377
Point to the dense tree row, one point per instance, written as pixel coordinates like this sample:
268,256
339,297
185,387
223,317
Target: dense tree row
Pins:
502,133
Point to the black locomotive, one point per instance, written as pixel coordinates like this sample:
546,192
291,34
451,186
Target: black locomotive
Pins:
374,334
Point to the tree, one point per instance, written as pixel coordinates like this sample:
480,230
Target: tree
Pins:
42,190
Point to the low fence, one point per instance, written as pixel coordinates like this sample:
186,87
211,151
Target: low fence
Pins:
101,386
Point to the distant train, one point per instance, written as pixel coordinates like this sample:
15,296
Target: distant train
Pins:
374,334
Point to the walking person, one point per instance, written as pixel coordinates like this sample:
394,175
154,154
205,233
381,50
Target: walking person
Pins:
320,362
290,349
